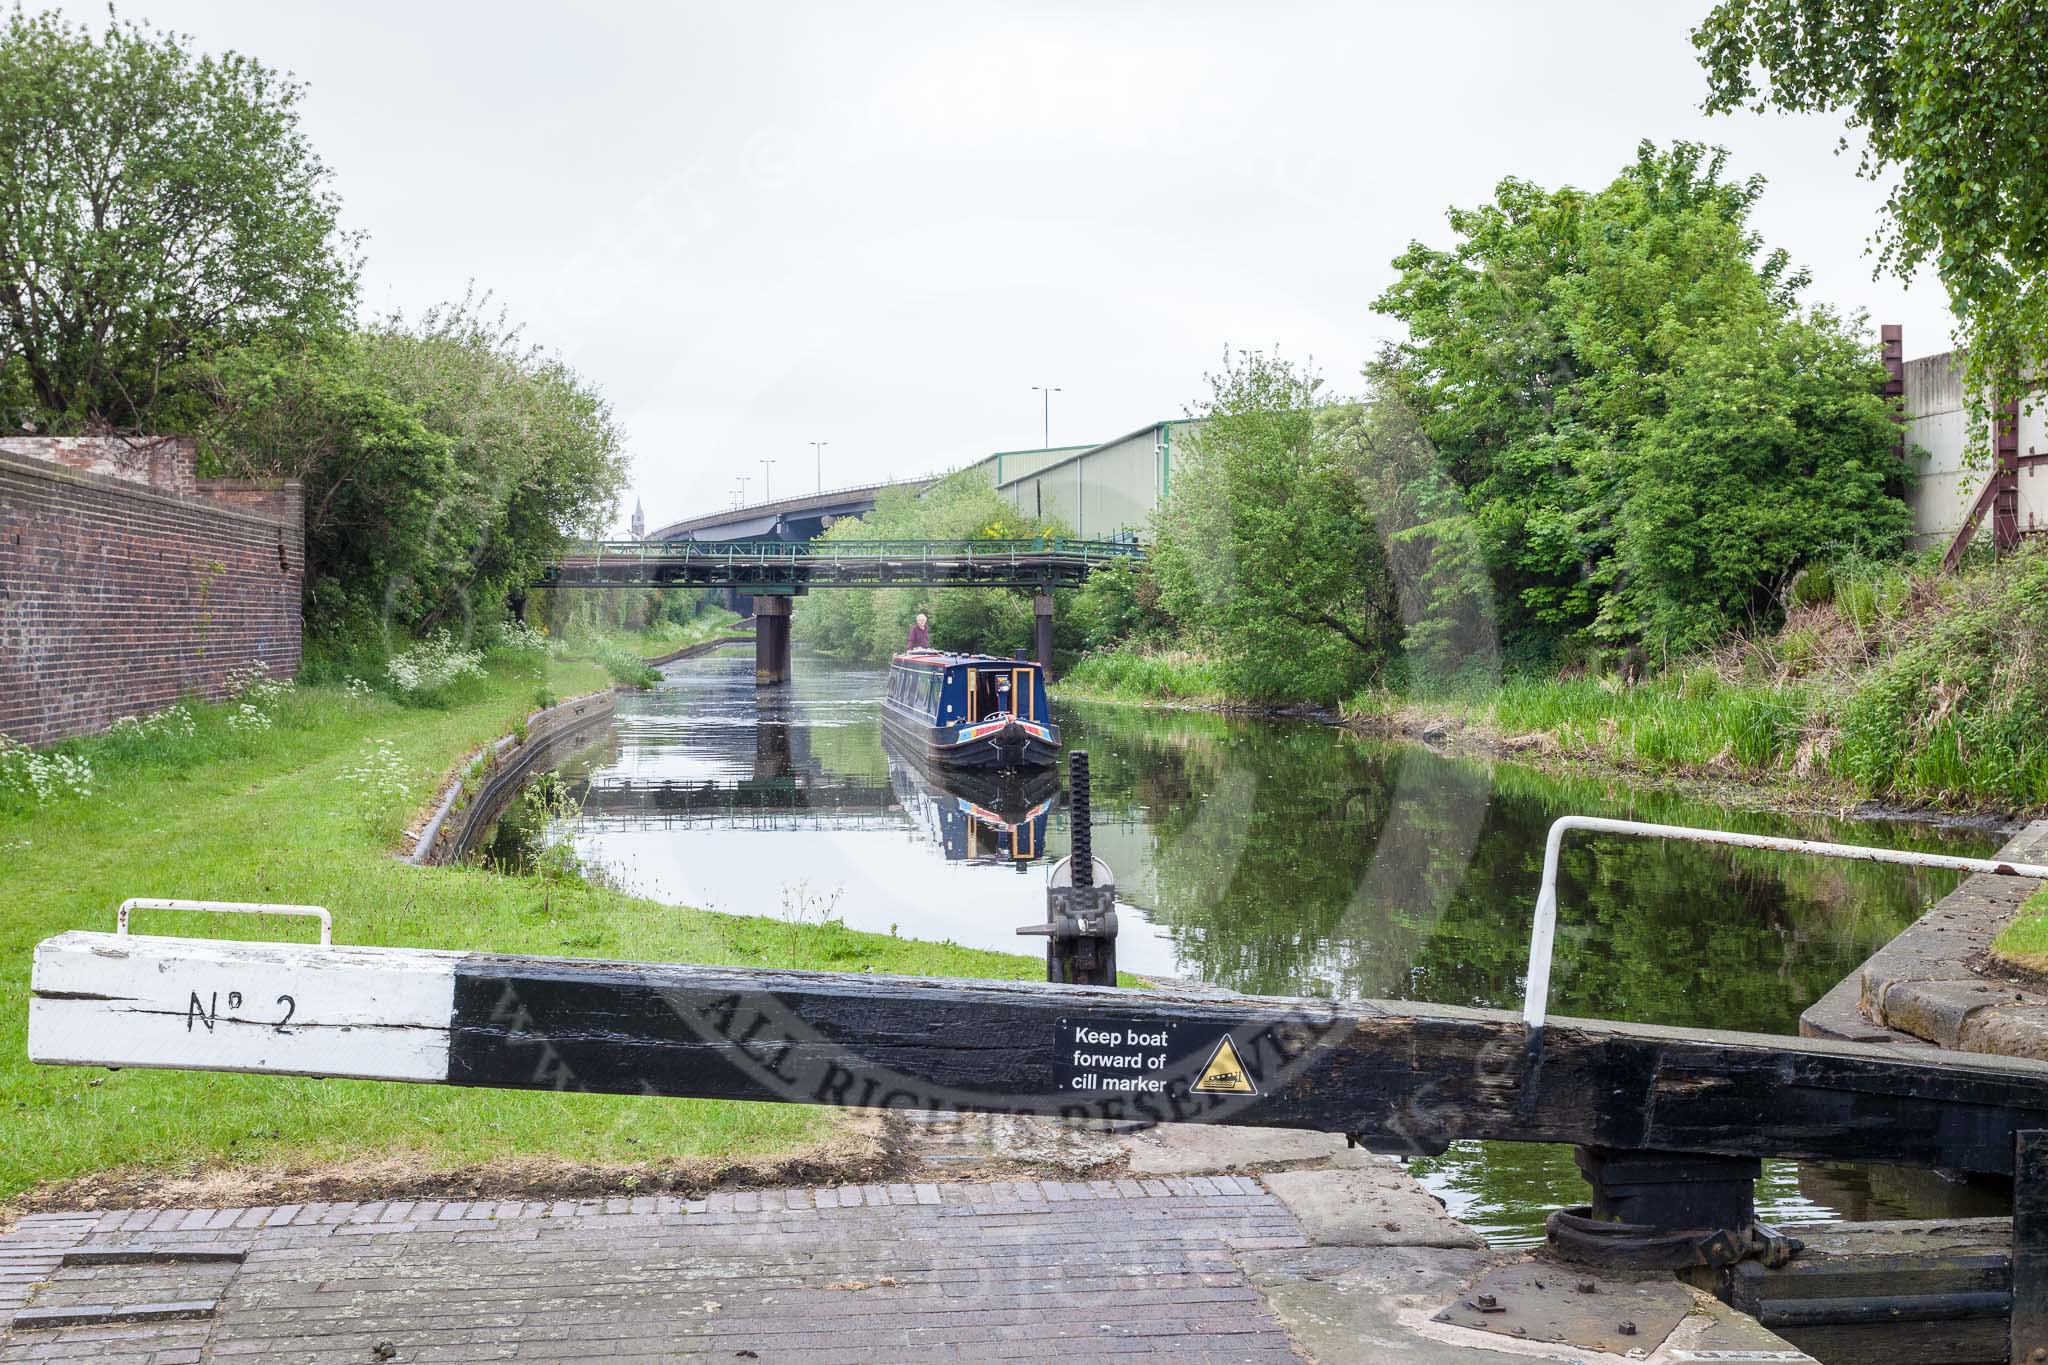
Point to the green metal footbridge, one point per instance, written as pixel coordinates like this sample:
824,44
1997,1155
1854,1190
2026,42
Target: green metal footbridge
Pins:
774,571
767,566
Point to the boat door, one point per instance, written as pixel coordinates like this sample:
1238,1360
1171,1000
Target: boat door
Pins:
1022,702
973,699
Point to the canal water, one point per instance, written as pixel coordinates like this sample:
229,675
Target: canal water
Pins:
1268,857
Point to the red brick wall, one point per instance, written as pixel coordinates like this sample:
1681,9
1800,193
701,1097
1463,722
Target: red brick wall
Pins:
272,499
164,463
116,600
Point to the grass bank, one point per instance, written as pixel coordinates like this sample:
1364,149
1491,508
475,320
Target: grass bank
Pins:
1170,678
300,795
624,653
1890,682
665,636
2024,942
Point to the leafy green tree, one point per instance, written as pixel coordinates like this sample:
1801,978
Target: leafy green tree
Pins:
445,463
1430,539
1771,445
1947,96
1545,353
1119,603
156,207
1266,552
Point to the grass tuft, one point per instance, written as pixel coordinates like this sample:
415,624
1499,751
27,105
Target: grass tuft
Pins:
2024,942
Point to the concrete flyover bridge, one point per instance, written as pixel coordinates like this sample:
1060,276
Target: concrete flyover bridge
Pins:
774,571
803,516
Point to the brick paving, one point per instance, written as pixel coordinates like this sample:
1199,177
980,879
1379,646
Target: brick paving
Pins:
1072,1271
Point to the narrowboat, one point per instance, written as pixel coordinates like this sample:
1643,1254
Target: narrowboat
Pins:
971,711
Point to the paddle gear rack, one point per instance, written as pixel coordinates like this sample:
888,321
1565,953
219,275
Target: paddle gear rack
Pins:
1080,899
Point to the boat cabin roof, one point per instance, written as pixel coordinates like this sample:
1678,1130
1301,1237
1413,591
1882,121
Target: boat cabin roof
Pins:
937,659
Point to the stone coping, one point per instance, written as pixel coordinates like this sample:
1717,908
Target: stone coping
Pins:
1935,983
57,473
510,760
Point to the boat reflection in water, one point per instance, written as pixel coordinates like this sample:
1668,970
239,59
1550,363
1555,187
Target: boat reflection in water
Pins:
976,817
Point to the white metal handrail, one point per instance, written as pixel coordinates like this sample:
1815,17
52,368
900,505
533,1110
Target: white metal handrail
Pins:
1536,999
228,907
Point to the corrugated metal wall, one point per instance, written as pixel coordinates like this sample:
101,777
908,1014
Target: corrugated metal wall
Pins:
1098,491
1937,423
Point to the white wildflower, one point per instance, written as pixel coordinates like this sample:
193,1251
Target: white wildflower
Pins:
432,664
249,719
43,777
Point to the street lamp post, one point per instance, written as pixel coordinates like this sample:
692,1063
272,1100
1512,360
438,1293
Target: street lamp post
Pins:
766,494
818,449
1048,393
743,490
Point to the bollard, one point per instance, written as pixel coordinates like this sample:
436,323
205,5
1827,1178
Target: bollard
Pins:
1080,911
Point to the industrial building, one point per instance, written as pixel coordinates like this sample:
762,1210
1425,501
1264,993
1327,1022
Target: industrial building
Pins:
1951,494
1098,491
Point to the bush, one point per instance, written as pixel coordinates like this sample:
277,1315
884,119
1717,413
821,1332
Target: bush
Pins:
1119,603
626,667
430,672
32,778
1961,708
519,640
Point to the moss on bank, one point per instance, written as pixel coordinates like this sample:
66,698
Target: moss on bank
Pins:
307,806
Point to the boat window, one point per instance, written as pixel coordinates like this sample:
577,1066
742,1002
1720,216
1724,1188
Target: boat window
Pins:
991,693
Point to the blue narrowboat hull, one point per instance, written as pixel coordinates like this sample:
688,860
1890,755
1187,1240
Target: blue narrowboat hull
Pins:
1000,744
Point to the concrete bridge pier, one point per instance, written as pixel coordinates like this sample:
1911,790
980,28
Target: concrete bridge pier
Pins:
771,639
1041,635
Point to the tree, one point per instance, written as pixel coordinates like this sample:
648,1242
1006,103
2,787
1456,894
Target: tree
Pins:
1948,98
1547,348
1771,447
1266,552
445,463
1430,539
156,208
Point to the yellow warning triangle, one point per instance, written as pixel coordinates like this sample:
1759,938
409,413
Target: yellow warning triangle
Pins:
1225,1073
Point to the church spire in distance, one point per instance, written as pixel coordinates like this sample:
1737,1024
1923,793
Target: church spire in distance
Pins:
639,521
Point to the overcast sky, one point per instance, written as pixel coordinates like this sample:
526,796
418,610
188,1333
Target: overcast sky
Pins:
756,226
